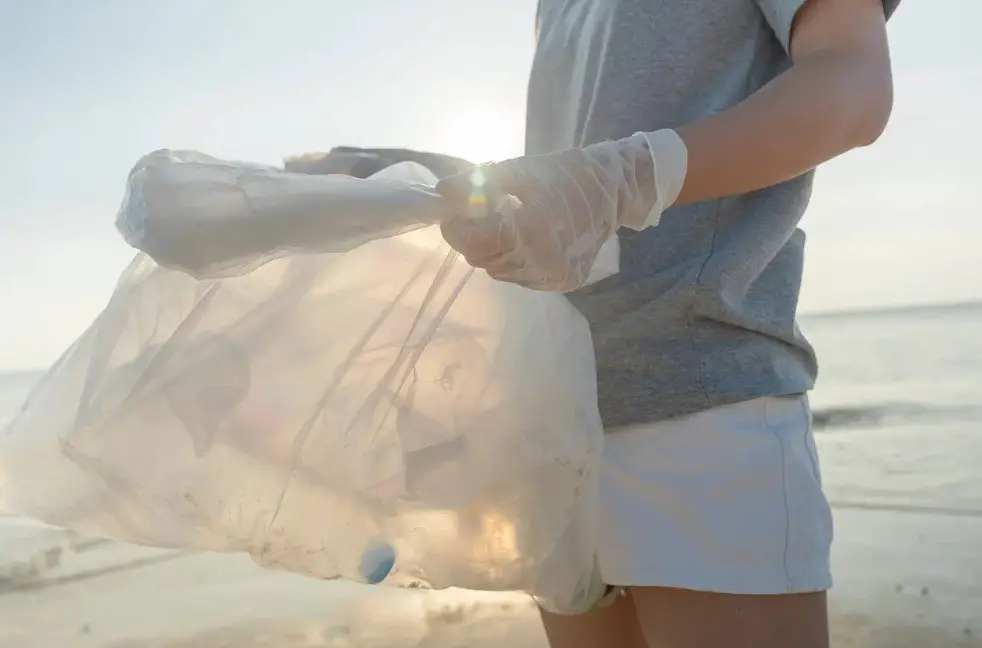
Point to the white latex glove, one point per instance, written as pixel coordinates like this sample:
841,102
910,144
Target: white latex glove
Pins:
568,204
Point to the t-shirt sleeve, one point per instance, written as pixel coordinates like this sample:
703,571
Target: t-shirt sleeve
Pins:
780,16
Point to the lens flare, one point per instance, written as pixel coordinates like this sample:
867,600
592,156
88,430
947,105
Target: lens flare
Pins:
477,200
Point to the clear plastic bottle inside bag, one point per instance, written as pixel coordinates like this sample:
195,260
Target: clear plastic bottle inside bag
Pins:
350,400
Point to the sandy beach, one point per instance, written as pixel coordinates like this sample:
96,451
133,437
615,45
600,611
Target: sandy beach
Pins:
905,579
60,590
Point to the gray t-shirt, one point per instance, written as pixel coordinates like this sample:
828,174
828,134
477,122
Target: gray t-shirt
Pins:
702,312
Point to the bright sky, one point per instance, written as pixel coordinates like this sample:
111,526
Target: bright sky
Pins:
88,87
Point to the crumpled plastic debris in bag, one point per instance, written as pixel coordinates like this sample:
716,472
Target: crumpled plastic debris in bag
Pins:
299,367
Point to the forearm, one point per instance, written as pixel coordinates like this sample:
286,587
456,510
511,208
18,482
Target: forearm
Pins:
821,107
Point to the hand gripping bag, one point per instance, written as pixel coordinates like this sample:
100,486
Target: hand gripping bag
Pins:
299,367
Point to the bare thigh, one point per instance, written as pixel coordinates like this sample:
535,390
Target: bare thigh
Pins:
656,617
614,626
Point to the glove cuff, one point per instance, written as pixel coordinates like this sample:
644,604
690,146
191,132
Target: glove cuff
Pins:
670,159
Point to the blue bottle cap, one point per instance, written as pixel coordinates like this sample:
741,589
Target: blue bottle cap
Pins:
377,562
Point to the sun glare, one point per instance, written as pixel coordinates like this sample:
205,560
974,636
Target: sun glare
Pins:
481,136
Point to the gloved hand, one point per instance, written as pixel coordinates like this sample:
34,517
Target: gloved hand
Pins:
568,204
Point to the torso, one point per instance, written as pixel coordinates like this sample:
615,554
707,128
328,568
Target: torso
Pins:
702,312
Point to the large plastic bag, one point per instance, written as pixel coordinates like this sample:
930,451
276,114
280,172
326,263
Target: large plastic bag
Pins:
329,413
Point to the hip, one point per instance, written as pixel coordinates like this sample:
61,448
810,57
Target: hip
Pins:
728,499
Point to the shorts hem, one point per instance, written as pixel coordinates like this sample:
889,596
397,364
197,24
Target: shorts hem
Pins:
817,583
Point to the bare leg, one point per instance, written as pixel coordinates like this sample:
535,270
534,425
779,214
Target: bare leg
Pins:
672,618
615,626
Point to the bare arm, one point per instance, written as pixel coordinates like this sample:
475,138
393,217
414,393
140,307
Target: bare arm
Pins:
836,96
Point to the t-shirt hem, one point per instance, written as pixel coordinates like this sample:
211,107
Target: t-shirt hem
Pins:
638,409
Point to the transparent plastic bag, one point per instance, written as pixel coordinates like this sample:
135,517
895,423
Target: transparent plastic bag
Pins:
379,413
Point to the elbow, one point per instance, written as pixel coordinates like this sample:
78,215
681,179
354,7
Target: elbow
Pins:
875,107
858,101
857,112
871,85
859,96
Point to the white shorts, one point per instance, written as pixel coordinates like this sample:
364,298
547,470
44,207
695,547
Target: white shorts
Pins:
727,500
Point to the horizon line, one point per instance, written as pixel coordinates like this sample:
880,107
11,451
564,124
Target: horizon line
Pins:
897,308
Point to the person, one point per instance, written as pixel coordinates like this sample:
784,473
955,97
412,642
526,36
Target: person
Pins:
690,130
